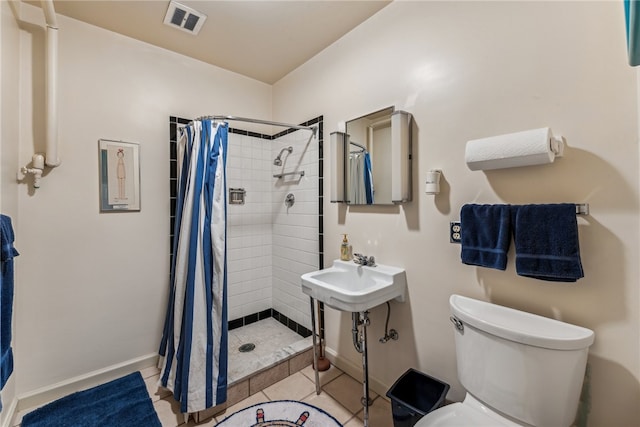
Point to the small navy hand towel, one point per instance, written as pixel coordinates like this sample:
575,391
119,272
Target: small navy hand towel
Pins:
485,235
546,239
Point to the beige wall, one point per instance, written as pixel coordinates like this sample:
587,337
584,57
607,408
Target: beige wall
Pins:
465,71
9,102
93,286
9,68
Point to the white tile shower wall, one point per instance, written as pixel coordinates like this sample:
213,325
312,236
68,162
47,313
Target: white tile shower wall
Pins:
295,228
249,226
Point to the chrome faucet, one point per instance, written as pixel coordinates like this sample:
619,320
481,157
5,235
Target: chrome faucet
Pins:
368,261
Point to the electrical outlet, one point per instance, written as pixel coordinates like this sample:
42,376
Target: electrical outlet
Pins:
455,232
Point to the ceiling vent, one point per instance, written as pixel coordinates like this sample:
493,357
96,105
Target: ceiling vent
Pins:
184,18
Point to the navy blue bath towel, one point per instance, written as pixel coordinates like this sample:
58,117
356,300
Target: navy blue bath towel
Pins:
546,239
486,235
7,253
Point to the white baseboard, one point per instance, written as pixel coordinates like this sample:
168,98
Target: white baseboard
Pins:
11,410
355,370
43,395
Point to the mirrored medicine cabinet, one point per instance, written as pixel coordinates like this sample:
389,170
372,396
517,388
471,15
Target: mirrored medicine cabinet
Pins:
371,160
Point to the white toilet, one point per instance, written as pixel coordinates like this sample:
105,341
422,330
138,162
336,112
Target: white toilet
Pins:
519,369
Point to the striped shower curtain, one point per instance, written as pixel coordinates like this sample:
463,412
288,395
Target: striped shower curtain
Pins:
194,341
361,179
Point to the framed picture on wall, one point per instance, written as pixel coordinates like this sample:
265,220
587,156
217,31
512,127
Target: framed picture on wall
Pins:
119,164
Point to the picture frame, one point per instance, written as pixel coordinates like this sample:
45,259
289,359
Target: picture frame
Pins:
119,165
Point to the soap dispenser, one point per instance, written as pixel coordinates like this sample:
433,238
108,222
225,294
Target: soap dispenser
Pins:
345,249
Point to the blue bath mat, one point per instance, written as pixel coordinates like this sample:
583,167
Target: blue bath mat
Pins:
124,402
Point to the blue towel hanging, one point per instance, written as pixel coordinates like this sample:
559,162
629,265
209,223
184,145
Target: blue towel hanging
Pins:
7,253
546,240
632,20
368,178
486,235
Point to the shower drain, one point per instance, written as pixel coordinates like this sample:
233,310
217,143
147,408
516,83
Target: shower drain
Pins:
244,348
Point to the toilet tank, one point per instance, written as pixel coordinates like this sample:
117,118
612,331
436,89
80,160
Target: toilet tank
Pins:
523,365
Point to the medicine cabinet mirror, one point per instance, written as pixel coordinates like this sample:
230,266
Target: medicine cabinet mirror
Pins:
372,159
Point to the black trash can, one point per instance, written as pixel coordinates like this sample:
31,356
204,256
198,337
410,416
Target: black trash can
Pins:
414,395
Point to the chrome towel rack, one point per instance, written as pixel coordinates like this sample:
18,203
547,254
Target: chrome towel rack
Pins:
582,208
455,229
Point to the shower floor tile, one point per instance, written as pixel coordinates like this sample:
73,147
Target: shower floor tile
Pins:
272,342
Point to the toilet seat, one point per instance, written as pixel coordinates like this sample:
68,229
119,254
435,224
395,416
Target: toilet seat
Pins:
469,413
455,415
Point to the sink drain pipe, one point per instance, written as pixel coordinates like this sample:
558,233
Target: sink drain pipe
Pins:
360,343
355,332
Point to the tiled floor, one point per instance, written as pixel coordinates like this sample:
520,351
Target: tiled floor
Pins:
340,397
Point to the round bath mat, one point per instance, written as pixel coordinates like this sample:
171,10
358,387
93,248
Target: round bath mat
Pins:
280,413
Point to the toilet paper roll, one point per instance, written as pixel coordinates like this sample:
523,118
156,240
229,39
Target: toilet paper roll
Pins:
531,147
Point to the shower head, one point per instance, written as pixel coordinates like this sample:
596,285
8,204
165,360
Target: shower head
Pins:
278,161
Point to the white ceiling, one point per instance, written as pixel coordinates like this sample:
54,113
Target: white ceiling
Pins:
264,40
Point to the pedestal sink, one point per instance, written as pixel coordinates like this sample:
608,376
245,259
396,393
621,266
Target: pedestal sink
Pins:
348,286
351,287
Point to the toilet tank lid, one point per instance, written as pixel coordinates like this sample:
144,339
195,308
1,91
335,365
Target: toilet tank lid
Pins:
520,326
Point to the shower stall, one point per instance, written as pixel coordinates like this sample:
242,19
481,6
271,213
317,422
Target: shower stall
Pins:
274,235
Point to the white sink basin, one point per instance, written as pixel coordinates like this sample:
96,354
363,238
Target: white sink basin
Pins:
348,286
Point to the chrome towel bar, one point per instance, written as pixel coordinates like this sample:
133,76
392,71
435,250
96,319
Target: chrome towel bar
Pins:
455,229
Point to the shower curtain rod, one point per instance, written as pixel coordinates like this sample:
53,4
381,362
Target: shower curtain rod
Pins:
259,121
362,147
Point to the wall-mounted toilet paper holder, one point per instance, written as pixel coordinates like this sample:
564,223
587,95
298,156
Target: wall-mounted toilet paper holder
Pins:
556,144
